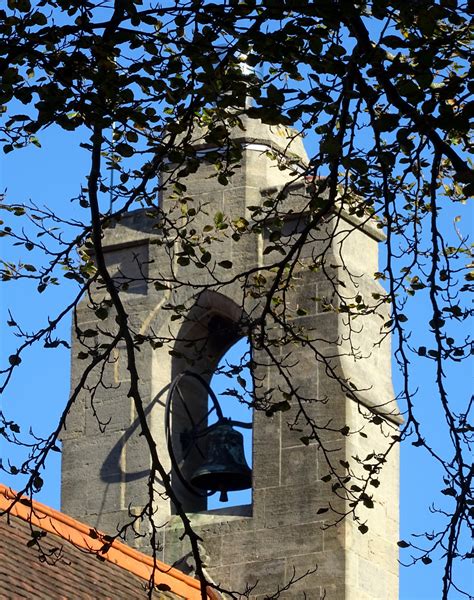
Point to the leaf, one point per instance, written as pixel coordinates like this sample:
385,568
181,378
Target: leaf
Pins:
75,276
222,179
363,529
241,381
183,261
102,313
14,360
124,150
90,333
282,406
437,323
226,264
321,511
426,560
218,218
38,483
367,501
131,136
326,478
403,544
20,5
393,41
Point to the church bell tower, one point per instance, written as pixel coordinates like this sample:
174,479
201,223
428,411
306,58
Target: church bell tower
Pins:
324,418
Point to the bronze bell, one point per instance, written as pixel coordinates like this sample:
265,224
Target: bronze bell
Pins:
225,468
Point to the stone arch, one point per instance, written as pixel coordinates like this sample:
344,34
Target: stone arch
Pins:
212,326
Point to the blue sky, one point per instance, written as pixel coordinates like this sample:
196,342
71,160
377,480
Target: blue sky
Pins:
51,176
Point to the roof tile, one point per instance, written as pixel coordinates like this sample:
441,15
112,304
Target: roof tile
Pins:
64,562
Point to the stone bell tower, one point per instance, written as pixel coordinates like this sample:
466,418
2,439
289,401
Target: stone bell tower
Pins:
329,434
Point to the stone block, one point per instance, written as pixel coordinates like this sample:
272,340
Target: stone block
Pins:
260,577
75,420
299,465
103,495
110,412
292,505
323,416
316,570
239,548
73,494
175,549
295,421
136,458
334,536
266,464
283,542
326,294
219,576
266,450
128,266
375,581
384,550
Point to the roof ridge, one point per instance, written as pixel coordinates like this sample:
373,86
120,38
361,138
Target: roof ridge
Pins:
88,538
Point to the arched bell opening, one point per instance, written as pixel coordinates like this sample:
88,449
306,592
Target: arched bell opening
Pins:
232,383
205,447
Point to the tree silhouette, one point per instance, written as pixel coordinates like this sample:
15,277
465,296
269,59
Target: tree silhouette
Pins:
381,90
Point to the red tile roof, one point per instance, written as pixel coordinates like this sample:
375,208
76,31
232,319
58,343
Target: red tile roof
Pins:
69,566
